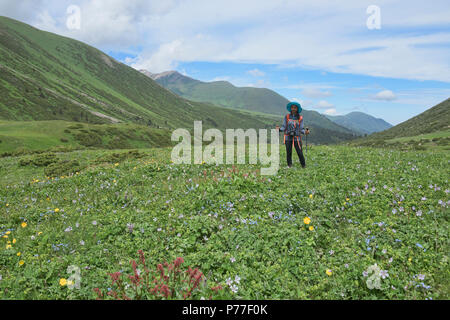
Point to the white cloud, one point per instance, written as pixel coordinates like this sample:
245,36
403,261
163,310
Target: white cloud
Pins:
317,34
256,73
315,93
331,112
385,95
323,105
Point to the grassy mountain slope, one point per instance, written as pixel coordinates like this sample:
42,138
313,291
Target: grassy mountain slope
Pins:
430,128
221,93
361,122
45,76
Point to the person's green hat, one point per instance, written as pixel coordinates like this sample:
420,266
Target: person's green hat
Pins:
290,104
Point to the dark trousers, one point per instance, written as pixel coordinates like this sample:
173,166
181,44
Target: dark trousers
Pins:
298,147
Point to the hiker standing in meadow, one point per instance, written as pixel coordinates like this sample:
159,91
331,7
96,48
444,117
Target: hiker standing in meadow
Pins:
293,128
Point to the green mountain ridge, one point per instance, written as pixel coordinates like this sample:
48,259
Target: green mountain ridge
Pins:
361,122
225,94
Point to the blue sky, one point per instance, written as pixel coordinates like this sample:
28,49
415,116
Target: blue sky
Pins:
325,54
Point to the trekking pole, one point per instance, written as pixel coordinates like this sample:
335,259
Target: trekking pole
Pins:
306,151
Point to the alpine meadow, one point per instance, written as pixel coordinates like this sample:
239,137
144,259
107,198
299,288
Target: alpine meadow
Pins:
93,205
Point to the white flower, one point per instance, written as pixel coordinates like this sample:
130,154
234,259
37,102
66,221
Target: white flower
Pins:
237,279
159,229
94,222
68,229
234,288
82,242
384,274
232,259
229,282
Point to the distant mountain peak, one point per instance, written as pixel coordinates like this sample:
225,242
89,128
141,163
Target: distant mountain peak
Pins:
156,76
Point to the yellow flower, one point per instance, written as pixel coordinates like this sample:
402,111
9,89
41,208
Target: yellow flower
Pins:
114,181
329,272
39,233
311,228
307,220
116,164
21,262
18,254
7,204
14,240
410,259
310,196
48,199
69,282
7,232
8,246
62,282
56,209
347,199
5,236
24,224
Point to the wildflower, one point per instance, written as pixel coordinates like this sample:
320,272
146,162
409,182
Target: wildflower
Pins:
237,279
329,272
116,164
8,246
229,282
384,274
62,282
21,262
365,273
18,254
23,225
234,288
94,222
310,196
8,232
82,242
331,252
311,228
68,229
306,220
232,259
130,227
346,265
56,210
421,277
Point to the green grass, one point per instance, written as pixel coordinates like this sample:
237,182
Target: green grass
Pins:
43,135
427,136
366,206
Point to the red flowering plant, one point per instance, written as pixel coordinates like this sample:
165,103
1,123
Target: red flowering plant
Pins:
168,281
